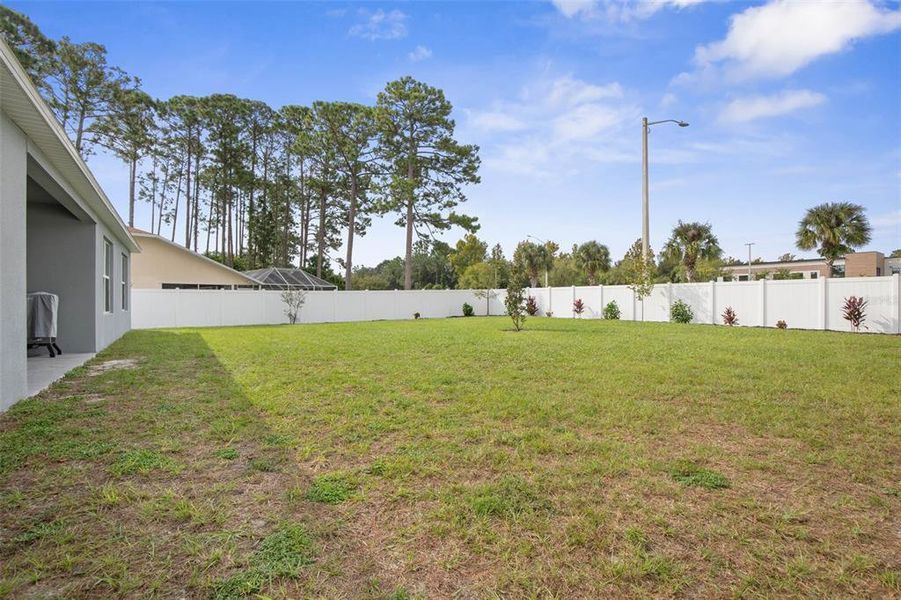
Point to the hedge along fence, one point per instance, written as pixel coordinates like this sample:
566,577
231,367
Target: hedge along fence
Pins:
802,303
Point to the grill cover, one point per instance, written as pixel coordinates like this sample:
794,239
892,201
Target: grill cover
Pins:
42,309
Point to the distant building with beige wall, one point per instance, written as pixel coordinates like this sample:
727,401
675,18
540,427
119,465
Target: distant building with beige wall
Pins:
166,265
855,264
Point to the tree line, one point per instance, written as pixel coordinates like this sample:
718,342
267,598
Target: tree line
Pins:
252,185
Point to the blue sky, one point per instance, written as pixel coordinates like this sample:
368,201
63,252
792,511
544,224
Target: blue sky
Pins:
790,104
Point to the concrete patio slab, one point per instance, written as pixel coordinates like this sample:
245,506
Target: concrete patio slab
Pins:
43,370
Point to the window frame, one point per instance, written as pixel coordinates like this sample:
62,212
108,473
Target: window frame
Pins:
125,273
107,276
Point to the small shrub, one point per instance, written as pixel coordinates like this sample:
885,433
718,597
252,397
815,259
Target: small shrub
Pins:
294,301
531,306
514,302
331,488
729,317
548,314
468,310
578,307
854,310
416,315
611,311
693,475
680,312
781,324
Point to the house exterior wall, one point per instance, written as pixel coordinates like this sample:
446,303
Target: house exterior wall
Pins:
61,260
865,264
13,152
805,269
110,326
160,262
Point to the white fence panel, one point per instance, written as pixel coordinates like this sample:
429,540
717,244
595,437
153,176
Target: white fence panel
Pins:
798,302
882,303
803,304
735,294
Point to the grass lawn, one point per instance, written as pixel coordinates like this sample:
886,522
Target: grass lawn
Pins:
456,458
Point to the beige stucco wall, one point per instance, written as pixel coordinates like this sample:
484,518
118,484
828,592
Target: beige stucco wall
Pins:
160,262
864,264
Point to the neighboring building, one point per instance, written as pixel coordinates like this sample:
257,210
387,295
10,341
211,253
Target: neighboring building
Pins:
59,233
857,264
166,265
280,278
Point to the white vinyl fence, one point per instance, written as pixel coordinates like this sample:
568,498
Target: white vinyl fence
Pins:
802,303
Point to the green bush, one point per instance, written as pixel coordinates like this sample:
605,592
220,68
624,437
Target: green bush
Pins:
611,311
680,312
468,310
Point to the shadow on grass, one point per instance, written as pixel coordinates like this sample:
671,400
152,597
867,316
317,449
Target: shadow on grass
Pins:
154,479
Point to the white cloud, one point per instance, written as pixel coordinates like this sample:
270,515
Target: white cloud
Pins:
555,123
496,121
380,25
419,53
742,110
779,38
888,221
617,10
668,100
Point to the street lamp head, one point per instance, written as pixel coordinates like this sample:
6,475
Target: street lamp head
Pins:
683,124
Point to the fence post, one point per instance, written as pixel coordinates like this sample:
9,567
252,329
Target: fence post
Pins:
572,304
824,298
601,308
712,302
335,306
896,301
763,302
669,300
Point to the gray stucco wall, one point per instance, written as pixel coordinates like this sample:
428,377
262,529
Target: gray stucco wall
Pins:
13,383
110,326
60,260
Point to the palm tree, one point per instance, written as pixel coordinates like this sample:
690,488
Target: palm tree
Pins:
592,258
691,242
836,227
532,258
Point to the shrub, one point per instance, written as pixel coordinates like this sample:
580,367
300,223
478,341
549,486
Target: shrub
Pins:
854,310
514,302
729,317
416,315
294,301
548,314
531,306
781,324
680,312
468,310
578,307
611,311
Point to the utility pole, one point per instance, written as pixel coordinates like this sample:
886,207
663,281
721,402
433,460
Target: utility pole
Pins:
749,244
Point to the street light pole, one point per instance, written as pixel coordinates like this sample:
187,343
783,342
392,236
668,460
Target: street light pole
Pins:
645,203
749,244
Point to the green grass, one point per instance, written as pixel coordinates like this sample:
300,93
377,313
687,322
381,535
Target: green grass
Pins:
441,458
332,488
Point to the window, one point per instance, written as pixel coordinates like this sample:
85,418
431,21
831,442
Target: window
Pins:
107,275
814,274
124,282
742,277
